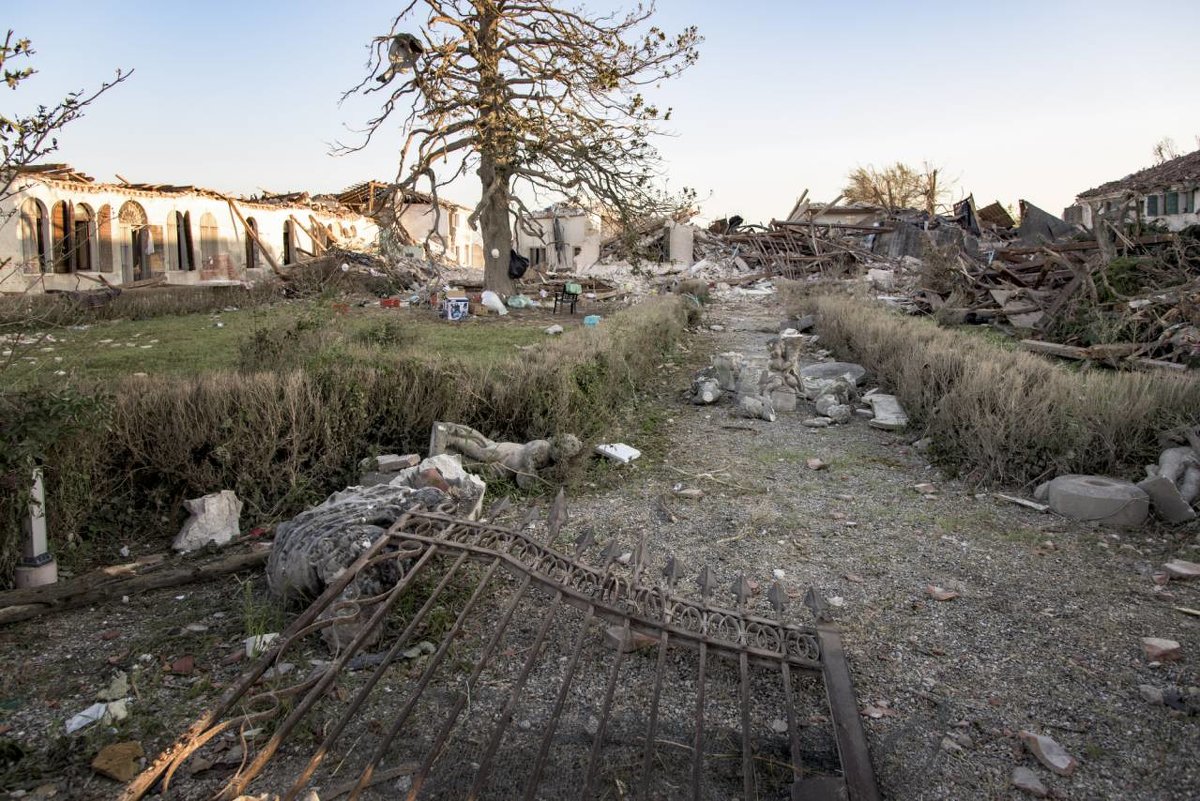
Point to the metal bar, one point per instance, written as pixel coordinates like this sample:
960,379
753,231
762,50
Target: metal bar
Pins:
485,766
605,709
434,661
150,776
238,783
652,724
747,744
793,731
436,749
366,689
698,739
847,726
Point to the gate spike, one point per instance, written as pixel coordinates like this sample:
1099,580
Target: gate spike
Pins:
816,602
776,596
704,581
530,518
741,589
585,540
558,514
610,552
672,570
498,508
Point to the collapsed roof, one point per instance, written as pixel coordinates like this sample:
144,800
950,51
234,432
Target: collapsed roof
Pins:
1181,170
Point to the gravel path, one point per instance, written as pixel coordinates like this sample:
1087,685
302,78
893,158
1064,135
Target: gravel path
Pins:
1043,636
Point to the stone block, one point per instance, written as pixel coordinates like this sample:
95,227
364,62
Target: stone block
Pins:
1098,499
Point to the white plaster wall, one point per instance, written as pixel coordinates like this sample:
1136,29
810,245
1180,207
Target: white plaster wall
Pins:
682,244
159,209
579,231
465,247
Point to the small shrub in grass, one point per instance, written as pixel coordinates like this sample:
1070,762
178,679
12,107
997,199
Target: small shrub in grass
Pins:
1002,415
284,438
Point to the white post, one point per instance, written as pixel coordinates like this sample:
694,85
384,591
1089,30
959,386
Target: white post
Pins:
37,567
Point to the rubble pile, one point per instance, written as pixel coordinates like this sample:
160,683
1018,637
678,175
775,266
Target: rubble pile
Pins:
762,389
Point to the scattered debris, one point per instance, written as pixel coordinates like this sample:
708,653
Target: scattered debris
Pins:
889,414
813,463
1049,753
1182,569
940,594
1025,779
119,761
214,520
1160,650
618,452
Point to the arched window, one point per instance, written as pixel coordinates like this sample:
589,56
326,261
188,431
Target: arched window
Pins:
251,245
137,245
34,253
84,239
289,243
104,229
61,226
210,242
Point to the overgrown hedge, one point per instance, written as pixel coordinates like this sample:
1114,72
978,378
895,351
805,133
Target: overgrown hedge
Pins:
999,415
283,440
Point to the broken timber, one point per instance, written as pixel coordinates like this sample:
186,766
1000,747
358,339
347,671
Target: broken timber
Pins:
711,681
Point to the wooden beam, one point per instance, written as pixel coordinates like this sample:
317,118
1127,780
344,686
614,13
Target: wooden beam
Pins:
251,233
311,237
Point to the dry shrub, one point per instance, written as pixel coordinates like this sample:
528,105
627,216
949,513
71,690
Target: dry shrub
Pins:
284,439
1008,416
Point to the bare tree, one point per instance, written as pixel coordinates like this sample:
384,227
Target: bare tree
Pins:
1165,149
899,186
26,139
532,96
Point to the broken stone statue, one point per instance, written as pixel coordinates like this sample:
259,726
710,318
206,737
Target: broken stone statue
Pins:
214,520
1173,484
316,546
501,460
706,389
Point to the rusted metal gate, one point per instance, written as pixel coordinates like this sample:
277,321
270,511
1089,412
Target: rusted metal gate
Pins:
521,696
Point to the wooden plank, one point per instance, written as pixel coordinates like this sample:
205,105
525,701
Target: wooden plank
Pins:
1055,349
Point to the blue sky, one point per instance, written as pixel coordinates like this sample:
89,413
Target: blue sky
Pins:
1034,100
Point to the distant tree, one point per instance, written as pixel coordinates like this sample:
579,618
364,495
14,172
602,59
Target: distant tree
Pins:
26,139
533,96
1165,150
899,186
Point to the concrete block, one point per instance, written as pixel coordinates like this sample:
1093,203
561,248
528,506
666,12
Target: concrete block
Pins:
1098,499
853,372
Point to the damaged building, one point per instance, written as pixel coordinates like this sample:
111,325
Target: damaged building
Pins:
71,232
1166,193
567,238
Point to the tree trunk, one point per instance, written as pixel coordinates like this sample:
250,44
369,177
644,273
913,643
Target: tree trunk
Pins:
497,234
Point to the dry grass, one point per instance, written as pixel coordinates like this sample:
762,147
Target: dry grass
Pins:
284,439
1006,416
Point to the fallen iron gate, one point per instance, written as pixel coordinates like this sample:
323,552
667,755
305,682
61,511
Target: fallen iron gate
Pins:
662,719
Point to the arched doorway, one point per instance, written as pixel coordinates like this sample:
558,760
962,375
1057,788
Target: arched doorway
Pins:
289,243
180,255
34,251
210,242
251,245
136,243
84,239
104,229
61,233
